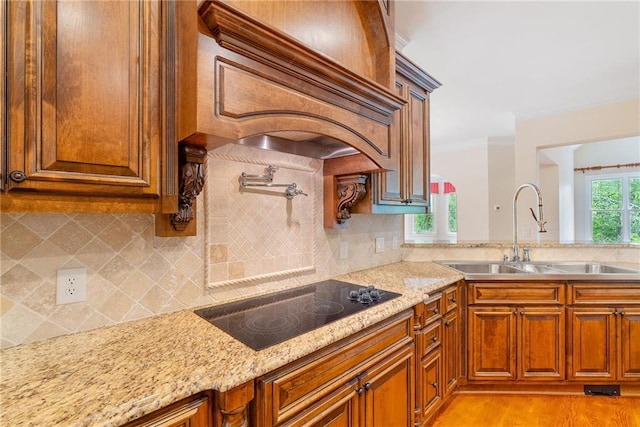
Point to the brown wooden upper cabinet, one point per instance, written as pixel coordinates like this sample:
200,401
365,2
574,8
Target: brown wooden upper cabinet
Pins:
91,94
408,186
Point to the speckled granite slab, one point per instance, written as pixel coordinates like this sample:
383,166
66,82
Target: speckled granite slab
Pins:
109,376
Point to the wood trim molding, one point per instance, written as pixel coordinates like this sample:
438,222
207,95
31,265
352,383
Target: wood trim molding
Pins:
416,74
232,406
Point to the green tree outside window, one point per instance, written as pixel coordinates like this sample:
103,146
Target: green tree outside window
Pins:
611,209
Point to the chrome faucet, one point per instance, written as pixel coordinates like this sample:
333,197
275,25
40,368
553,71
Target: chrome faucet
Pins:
539,219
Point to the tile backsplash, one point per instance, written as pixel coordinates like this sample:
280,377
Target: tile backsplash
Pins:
132,274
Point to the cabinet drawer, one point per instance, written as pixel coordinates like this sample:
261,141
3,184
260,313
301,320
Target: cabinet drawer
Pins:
451,297
516,293
428,310
429,338
432,309
289,390
597,293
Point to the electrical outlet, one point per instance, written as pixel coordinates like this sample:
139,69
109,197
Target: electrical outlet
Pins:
71,285
344,250
394,243
379,244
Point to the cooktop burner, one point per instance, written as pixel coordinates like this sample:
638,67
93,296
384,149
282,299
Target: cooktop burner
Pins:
263,321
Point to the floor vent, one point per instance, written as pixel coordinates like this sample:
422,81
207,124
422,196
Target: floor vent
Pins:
602,390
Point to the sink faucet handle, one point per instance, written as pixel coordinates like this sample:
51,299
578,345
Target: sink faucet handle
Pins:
526,254
505,257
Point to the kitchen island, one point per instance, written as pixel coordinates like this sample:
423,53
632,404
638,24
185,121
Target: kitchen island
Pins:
113,375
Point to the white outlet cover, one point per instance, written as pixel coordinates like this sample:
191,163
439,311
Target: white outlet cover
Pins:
379,244
344,250
71,285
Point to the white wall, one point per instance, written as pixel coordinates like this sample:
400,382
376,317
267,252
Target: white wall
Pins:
605,122
501,187
467,169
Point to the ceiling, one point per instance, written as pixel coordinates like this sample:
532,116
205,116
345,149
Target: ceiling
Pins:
505,61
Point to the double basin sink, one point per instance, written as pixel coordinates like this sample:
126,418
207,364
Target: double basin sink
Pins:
565,270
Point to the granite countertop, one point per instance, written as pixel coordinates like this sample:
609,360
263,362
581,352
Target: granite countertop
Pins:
109,376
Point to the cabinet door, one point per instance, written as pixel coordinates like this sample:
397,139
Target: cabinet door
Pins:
541,349
416,159
629,344
388,391
84,88
451,351
391,183
492,343
340,409
429,387
408,184
592,344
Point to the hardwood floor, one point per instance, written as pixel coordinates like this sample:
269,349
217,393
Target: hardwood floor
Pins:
502,410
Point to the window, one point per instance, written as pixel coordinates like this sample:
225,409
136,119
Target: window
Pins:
440,223
614,205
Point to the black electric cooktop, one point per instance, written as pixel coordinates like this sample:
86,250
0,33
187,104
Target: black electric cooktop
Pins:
263,321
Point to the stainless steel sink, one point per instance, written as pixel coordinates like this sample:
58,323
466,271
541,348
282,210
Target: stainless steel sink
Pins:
592,268
557,270
485,268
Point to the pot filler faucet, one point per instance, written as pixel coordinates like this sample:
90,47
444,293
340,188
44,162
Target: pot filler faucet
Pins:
539,219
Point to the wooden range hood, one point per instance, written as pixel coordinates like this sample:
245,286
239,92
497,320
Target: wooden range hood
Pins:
255,81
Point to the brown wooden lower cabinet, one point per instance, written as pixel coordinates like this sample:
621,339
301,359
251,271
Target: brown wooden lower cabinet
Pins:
438,351
364,380
516,343
516,331
605,344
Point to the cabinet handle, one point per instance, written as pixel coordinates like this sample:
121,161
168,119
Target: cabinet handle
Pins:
447,323
360,391
18,176
453,299
436,311
434,338
615,313
522,313
434,384
622,313
367,386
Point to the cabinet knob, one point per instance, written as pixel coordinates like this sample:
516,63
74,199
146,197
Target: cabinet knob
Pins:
447,323
622,313
18,176
367,386
453,299
436,311
360,391
522,313
434,384
434,338
515,313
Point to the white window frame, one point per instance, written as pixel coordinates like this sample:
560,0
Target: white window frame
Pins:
626,222
439,206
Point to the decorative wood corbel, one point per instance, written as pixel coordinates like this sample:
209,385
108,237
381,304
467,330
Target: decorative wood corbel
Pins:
192,161
351,190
